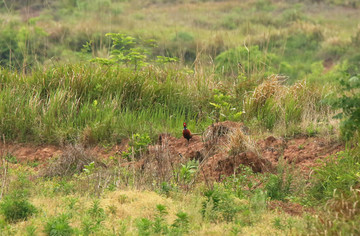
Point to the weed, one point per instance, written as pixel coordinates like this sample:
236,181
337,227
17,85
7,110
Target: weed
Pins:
340,215
165,188
11,159
277,223
88,226
144,226
243,184
235,230
33,163
219,205
97,212
112,209
58,225
279,186
123,199
224,108
15,209
72,203
337,173
63,186
31,230
258,201
122,227
73,160
181,223
137,146
350,109
160,226
187,171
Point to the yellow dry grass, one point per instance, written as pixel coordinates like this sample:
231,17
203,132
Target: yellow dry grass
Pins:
130,205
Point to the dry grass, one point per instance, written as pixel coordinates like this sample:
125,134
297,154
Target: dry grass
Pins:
73,160
240,142
142,204
342,215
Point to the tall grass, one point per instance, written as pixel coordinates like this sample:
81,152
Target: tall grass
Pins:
275,105
105,103
88,103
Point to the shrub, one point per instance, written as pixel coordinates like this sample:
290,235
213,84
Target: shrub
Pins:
137,146
181,224
58,226
349,103
15,209
242,184
219,205
279,186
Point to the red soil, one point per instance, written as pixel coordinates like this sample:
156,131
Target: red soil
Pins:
211,150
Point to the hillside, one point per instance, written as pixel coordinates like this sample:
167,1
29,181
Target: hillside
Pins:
94,94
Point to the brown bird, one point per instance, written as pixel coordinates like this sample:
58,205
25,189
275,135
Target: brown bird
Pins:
187,133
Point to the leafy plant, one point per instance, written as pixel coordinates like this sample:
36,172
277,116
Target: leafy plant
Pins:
16,209
160,226
243,183
130,51
11,158
244,60
181,223
144,226
186,172
58,225
31,230
224,108
278,186
349,103
137,145
219,205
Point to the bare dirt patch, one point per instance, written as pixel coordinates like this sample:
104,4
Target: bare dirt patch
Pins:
302,151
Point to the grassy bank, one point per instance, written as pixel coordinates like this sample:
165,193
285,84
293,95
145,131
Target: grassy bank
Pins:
91,103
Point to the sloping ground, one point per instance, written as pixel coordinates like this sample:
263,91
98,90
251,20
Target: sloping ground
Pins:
214,150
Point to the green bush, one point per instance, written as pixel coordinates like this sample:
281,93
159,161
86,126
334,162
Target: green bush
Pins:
181,224
58,226
349,103
16,209
277,188
241,185
219,205
137,146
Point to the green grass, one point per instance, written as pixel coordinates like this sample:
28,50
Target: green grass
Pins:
77,102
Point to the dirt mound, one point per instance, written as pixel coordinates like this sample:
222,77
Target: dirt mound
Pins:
212,150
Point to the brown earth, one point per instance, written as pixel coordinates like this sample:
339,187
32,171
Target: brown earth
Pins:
212,150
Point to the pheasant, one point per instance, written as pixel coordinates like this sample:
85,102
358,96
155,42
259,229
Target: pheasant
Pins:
187,134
